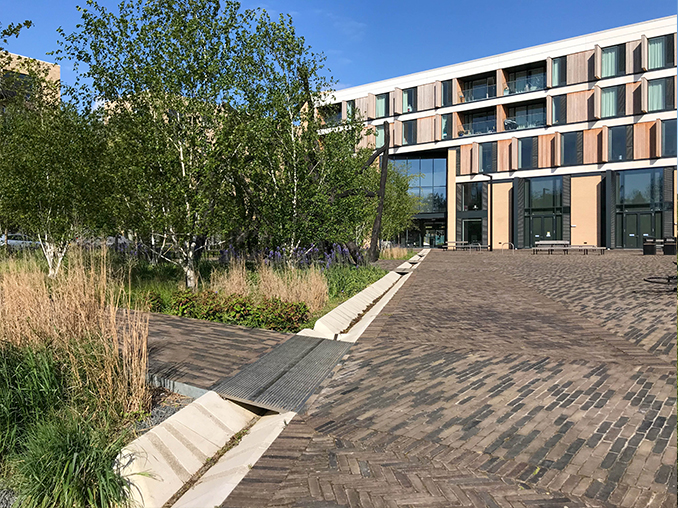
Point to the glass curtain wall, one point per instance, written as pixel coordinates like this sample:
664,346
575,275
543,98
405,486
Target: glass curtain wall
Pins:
429,182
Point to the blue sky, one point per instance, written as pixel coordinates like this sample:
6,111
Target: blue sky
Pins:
366,41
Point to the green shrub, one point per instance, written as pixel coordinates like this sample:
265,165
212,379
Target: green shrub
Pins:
270,313
68,463
154,302
240,310
282,316
31,385
346,281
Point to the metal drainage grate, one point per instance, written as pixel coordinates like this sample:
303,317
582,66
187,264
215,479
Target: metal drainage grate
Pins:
284,378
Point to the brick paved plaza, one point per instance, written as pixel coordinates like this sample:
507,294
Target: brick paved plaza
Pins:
494,380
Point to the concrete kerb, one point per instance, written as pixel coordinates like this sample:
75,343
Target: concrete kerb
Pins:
340,318
220,480
161,461
356,331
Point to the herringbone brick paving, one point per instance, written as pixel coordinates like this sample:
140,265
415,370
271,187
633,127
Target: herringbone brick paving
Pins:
201,353
477,388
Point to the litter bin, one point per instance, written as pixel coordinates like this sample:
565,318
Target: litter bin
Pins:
670,246
649,246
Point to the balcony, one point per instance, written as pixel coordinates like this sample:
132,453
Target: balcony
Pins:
477,127
526,84
527,121
478,93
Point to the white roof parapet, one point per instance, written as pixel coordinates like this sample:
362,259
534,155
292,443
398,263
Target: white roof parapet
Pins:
652,28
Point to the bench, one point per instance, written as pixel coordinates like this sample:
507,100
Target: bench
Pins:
455,245
564,246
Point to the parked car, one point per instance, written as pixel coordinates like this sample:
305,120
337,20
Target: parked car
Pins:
18,241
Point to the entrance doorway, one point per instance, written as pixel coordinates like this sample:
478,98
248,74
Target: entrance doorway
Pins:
472,231
637,226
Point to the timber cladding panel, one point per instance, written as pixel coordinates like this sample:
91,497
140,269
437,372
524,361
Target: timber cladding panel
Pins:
642,139
501,226
593,146
426,129
634,98
633,59
425,96
580,106
580,67
585,212
546,150
362,106
503,155
465,159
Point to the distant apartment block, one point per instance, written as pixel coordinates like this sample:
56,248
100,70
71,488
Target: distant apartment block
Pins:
572,140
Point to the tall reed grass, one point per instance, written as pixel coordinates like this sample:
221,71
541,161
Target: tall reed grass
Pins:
307,285
77,317
395,253
72,374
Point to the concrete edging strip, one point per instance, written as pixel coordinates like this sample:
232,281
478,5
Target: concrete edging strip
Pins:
159,462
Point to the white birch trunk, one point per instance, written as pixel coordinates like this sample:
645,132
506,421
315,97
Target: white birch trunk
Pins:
54,254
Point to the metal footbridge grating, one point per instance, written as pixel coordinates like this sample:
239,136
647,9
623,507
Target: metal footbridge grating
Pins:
285,377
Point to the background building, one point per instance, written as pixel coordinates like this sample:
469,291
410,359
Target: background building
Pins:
572,140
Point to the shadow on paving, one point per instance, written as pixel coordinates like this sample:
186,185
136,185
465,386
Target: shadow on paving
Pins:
484,383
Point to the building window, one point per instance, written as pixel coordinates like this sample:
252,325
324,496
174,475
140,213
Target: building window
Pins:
447,93
381,109
410,100
613,61
527,80
660,52
571,148
559,71
487,158
410,132
559,110
350,109
613,101
446,131
379,136
660,94
471,196
619,143
525,117
331,114
478,89
457,158
669,138
526,152
479,123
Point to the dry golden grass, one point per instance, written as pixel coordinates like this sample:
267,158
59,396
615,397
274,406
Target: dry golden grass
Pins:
232,281
77,316
293,285
394,253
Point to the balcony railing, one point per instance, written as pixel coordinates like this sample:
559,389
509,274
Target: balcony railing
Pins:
525,122
478,127
478,93
526,84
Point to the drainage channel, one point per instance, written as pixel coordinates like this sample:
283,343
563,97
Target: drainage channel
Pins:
284,378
